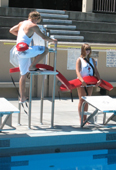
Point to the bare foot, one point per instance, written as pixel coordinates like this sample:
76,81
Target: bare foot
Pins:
23,100
32,68
87,123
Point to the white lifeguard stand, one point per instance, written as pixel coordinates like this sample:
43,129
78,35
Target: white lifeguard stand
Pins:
39,41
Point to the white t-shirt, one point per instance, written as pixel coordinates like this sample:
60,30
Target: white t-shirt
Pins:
86,69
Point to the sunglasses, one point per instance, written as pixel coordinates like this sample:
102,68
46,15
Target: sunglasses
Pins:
88,49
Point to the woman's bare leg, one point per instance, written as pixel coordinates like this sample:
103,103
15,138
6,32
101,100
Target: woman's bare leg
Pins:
81,92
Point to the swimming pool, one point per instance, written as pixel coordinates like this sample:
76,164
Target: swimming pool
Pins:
84,160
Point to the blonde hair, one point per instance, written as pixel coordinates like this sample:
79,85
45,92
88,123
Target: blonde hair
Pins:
34,15
83,50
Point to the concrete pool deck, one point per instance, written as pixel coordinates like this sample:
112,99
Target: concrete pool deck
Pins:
66,135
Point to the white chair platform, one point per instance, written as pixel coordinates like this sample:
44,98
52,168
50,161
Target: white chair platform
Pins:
102,104
6,109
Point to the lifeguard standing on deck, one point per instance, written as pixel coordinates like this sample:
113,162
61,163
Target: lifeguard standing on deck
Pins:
85,66
24,32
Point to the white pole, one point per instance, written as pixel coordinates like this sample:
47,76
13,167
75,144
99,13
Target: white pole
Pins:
87,5
4,3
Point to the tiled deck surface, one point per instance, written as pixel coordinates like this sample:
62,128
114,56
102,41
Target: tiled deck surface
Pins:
66,130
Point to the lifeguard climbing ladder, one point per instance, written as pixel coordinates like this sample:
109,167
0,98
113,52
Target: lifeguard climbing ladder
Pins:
39,41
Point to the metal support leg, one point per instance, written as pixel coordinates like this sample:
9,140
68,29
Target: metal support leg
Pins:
42,98
1,119
53,101
30,98
42,94
104,118
5,120
54,84
110,118
91,116
19,105
82,112
19,115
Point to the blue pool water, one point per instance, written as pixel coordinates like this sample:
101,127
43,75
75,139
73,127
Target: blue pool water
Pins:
84,160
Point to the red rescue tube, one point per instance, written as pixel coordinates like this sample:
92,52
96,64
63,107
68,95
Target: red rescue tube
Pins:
90,80
72,84
14,70
106,85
